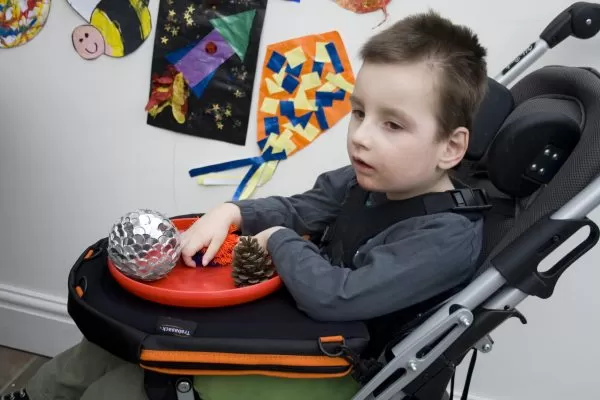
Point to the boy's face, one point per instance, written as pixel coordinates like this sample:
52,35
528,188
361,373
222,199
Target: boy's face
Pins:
393,139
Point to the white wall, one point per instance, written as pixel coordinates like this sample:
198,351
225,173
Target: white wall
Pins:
75,154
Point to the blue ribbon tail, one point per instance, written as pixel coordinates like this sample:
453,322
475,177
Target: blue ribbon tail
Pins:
244,182
222,166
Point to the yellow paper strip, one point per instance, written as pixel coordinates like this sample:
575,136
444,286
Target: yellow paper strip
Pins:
310,81
278,77
218,179
285,141
327,87
301,102
261,176
310,132
295,57
269,105
339,81
268,172
273,87
273,143
321,54
252,183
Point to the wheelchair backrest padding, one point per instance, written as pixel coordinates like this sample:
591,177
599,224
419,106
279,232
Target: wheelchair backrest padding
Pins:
495,107
581,86
533,144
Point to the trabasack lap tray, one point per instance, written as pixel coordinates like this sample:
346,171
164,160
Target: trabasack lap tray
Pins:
267,336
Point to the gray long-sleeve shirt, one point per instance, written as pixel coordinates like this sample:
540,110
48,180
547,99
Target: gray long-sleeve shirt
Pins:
409,262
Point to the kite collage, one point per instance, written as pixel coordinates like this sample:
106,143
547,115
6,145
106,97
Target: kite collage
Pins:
203,71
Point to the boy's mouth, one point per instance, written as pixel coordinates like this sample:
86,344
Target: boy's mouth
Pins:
361,164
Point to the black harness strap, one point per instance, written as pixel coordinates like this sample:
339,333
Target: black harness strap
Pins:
358,221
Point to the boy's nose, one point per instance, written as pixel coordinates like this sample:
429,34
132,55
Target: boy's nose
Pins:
360,137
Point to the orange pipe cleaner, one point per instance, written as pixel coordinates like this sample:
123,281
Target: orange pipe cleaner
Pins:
224,255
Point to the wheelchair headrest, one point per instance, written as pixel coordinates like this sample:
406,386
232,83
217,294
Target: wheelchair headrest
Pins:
495,107
523,147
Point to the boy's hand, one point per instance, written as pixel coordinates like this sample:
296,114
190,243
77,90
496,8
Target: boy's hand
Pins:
209,231
263,237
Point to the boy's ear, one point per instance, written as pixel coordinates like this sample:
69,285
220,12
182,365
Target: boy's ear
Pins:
454,148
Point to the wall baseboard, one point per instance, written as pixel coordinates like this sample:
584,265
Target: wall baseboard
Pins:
35,322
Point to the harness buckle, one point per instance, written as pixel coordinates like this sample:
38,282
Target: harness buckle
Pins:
470,199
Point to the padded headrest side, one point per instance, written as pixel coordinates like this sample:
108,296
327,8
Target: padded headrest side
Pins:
533,143
495,107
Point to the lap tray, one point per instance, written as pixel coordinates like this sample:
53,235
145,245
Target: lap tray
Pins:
269,336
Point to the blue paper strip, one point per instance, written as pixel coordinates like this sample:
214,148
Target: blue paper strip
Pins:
286,108
244,182
289,83
294,71
256,162
262,143
272,125
335,58
322,119
303,120
200,87
318,67
223,166
276,62
175,56
266,156
325,99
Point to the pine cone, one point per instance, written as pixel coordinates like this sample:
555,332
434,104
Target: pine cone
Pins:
251,263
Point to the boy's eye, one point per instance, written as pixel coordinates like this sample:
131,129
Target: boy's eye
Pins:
358,114
393,126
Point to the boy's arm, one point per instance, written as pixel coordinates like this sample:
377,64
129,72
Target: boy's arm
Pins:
414,264
304,213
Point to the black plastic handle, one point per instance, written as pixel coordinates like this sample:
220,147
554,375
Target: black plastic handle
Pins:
581,20
518,262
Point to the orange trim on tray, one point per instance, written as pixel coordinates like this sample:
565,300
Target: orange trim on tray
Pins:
243,359
276,374
332,339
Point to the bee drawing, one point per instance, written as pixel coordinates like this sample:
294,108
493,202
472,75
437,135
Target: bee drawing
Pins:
115,28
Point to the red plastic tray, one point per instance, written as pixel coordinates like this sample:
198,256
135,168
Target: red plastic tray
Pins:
201,287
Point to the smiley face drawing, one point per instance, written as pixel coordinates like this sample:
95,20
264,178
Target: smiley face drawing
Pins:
116,27
88,42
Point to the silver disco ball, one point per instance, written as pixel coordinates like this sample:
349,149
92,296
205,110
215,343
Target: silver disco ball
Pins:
144,245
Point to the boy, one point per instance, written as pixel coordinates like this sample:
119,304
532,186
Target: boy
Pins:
412,110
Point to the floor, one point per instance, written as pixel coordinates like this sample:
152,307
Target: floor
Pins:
16,367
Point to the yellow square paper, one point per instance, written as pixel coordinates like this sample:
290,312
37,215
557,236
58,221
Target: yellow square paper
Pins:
278,77
273,87
310,81
327,87
301,102
295,57
269,105
339,81
321,54
310,132
285,141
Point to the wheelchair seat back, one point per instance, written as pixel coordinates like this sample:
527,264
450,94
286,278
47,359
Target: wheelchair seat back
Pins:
533,147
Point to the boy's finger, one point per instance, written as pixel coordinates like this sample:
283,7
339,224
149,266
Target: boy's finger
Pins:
212,249
190,249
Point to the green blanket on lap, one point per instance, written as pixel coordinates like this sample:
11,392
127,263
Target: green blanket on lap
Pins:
255,387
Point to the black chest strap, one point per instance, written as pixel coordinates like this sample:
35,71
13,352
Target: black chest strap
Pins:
358,221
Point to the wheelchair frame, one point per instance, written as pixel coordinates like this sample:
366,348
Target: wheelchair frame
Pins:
428,356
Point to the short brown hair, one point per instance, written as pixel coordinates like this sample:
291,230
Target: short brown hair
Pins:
453,50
